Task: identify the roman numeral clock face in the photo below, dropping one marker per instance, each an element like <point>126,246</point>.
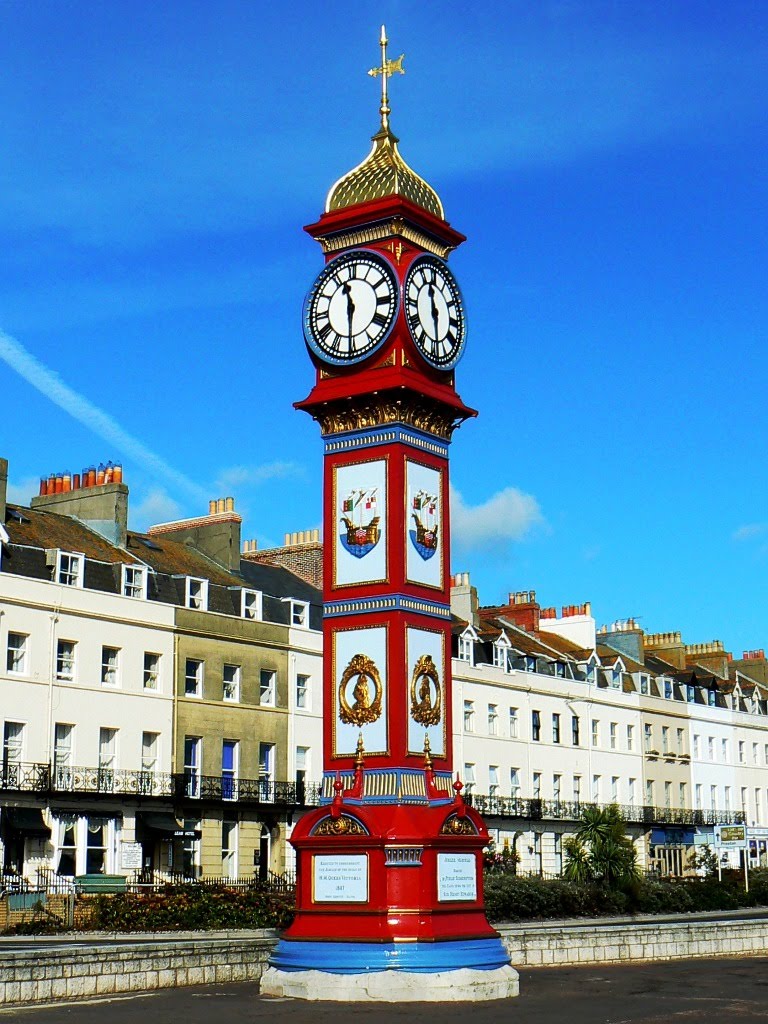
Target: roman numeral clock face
<point>435,312</point>
<point>351,307</point>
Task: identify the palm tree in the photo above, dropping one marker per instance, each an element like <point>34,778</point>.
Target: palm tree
<point>601,851</point>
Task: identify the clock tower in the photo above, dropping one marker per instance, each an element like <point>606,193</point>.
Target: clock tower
<point>389,867</point>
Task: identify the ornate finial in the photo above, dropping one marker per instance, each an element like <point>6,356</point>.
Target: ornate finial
<point>427,753</point>
<point>387,68</point>
<point>359,751</point>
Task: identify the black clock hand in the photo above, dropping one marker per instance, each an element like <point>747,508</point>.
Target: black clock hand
<point>435,313</point>
<point>347,289</point>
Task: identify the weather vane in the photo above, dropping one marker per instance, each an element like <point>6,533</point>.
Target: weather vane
<point>386,70</point>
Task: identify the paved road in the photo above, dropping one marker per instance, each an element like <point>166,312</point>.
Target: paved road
<point>680,992</point>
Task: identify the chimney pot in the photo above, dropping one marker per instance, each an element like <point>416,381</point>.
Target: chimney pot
<point>229,504</point>
<point>220,505</point>
<point>212,507</point>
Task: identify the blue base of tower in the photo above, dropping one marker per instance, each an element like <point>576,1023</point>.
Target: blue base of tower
<point>371,957</point>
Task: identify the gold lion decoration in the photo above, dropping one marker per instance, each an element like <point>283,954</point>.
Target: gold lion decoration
<point>455,826</point>
<point>366,706</point>
<point>426,708</point>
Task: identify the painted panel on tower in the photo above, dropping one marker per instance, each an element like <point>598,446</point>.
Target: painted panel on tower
<point>359,690</point>
<point>360,532</point>
<point>426,690</point>
<point>424,527</point>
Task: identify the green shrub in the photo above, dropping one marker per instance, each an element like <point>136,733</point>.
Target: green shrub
<point>190,907</point>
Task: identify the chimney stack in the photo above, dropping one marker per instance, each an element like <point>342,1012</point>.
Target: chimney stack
<point>100,500</point>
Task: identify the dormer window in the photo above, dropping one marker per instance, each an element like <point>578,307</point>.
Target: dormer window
<point>644,685</point>
<point>690,694</point>
<point>466,649</point>
<point>134,583</point>
<point>300,613</point>
<point>560,669</point>
<point>502,657</point>
<point>711,698</point>
<point>616,676</point>
<point>197,594</point>
<point>250,604</point>
<point>530,662</point>
<point>69,569</point>
<point>668,689</point>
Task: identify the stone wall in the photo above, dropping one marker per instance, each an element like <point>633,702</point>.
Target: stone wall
<point>71,970</point>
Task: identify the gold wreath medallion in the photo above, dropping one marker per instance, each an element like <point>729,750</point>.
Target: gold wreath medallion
<point>425,709</point>
<point>366,707</point>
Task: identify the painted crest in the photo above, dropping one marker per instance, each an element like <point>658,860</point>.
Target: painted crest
<point>425,514</point>
<point>359,532</point>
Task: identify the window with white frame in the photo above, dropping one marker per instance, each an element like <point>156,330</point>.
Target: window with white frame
<point>231,683</point>
<point>614,789</point>
<point>616,676</point>
<point>65,660</point>
<point>300,613</point>
<point>696,745</point>
<point>698,796</point>
<point>192,765</point>
<point>648,737</point>
<point>16,661</point>
<point>668,692</point>
<point>190,854</point>
<point>514,783</point>
<point>62,755</point>
<point>194,673</point>
<point>575,730</point>
<point>530,662</point>
<point>632,790</point>
<point>229,848</point>
<point>591,672</point>
<point>650,792</point>
<point>667,795</point>
<point>250,604</point>
<point>469,716</point>
<point>711,698</point>
<point>536,726</point>
<point>682,791</point>
<point>742,755</point>
<point>69,569</point>
<point>596,788</point>
<point>493,780</point>
<point>744,799</point>
<point>469,777</point>
<point>107,758</point>
<point>537,785</point>
<point>150,743</point>
<point>303,755</point>
<point>493,719</point>
<point>644,685</point>
<point>665,739</point>
<point>267,771</point>
<point>560,669</point>
<point>465,649</point>
<point>13,749</point>
<point>267,687</point>
<point>110,663</point>
<point>690,694</point>
<point>513,723</point>
<point>754,753</point>
<point>555,728</point>
<point>725,751</point>
<point>196,593</point>
<point>302,691</point>
<point>711,747</point>
<point>151,677</point>
<point>612,730</point>
<point>66,845</point>
<point>630,737</point>
<point>557,781</point>
<point>577,789</point>
<point>595,732</point>
<point>758,806</point>
<point>500,655</point>
<point>713,798</point>
<point>134,582</point>
<point>230,750</point>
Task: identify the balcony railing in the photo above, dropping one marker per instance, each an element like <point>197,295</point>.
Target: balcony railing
<point>535,809</point>
<point>43,779</point>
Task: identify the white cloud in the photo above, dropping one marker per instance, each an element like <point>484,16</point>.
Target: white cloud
<point>156,507</point>
<point>80,408</point>
<point>506,516</point>
<point>236,476</point>
<point>751,531</point>
<point>20,493</point>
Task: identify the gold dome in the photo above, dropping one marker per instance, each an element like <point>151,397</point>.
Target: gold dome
<point>383,173</point>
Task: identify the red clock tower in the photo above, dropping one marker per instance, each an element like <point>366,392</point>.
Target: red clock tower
<point>389,880</point>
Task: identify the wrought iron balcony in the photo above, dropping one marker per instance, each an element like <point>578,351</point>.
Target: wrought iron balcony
<point>21,777</point>
<point>536,809</point>
<point>224,788</point>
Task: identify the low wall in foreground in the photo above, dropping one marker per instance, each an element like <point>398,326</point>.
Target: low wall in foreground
<point>550,943</point>
<point>33,971</point>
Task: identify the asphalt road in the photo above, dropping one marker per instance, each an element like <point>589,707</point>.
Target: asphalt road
<point>679,992</point>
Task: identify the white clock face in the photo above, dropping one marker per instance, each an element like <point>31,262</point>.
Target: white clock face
<point>435,312</point>
<point>351,307</point>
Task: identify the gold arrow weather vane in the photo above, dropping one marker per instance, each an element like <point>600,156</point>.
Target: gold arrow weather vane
<point>386,69</point>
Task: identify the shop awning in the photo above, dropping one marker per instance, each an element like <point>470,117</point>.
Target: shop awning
<point>26,821</point>
<point>163,824</point>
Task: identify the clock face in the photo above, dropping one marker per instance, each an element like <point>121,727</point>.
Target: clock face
<point>351,307</point>
<point>435,312</point>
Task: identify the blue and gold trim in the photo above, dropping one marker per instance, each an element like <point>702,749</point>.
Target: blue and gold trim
<point>391,786</point>
<point>386,603</point>
<point>373,437</point>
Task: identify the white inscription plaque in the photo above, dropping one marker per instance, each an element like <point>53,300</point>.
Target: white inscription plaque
<point>456,877</point>
<point>340,878</point>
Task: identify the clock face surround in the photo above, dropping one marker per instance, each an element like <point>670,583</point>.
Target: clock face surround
<point>351,308</point>
<point>434,311</point>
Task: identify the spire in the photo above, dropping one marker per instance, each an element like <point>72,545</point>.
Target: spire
<point>384,172</point>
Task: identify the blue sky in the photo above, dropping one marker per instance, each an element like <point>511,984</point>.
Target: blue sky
<point>607,162</point>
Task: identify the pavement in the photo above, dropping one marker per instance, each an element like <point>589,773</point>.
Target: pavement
<point>727,991</point>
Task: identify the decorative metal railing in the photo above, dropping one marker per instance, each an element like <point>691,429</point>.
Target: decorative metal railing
<point>45,779</point>
<point>534,809</point>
